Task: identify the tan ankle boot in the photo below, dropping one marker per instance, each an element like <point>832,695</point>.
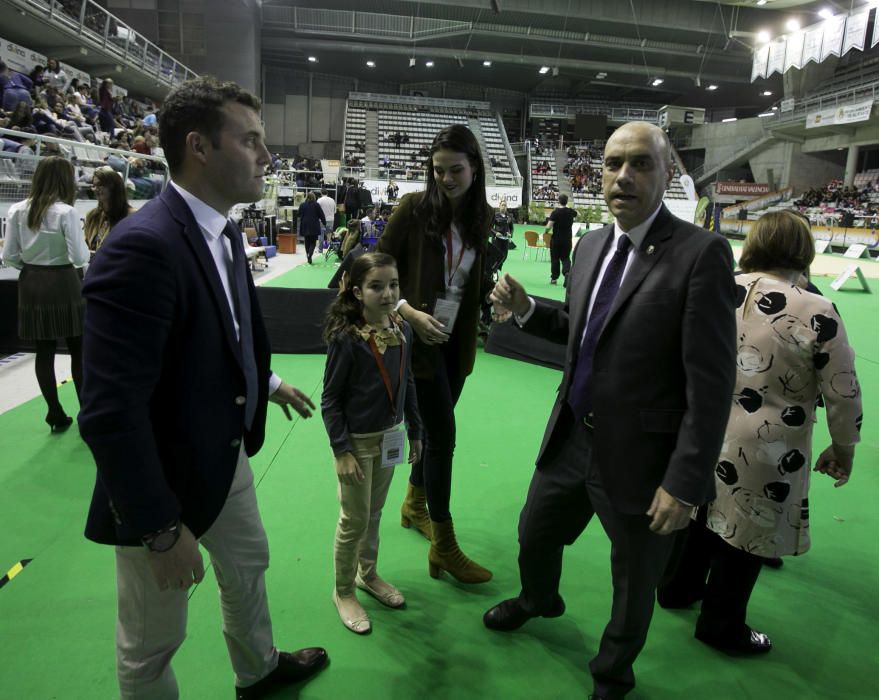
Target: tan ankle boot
<point>413,512</point>
<point>445,554</point>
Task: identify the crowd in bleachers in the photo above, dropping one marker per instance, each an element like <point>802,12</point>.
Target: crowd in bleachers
<point>49,103</point>
<point>836,204</point>
<point>583,168</point>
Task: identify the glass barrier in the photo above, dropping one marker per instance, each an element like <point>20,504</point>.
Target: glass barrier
<point>145,176</point>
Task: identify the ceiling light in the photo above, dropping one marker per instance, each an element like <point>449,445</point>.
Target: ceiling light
<point>762,37</point>
<point>412,61</point>
<point>760,2</point>
<point>711,87</point>
<point>312,59</point>
<point>429,64</point>
<point>766,93</point>
<point>657,81</point>
<point>825,14</point>
<point>370,64</point>
<point>543,70</point>
<point>792,25</point>
<point>601,76</point>
<point>730,119</point>
<point>767,114</point>
<point>487,64</point>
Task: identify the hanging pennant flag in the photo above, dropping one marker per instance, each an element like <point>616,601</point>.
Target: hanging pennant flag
<point>855,31</point>
<point>875,31</point>
<point>793,55</point>
<point>776,57</point>
<point>761,58</point>
<point>834,30</point>
<point>812,43</point>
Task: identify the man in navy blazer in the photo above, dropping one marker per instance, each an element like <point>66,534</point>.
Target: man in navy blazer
<point>642,408</point>
<point>176,386</point>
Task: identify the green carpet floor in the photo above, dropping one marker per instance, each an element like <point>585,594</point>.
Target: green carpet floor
<point>57,615</point>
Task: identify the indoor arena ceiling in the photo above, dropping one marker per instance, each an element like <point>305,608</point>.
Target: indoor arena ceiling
<point>609,49</point>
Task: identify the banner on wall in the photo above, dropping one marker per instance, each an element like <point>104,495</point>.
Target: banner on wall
<point>330,169</point>
<point>856,31</point>
<point>761,60</point>
<point>847,114</point>
<point>19,58</point>
<point>793,56</point>
<point>511,195</point>
<point>776,57</point>
<point>834,30</point>
<point>746,189</point>
<point>812,44</point>
<point>378,188</point>
<point>494,195</point>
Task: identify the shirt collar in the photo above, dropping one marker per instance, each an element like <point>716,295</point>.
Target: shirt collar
<point>209,219</point>
<point>639,232</point>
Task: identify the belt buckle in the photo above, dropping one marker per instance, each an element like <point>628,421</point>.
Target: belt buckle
<point>587,421</point>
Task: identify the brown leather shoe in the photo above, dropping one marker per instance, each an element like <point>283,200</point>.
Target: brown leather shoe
<point>293,667</point>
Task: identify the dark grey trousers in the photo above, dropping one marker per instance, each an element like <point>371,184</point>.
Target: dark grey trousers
<point>562,499</point>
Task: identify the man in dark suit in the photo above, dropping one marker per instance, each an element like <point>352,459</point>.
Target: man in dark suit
<point>639,420</point>
<point>177,382</point>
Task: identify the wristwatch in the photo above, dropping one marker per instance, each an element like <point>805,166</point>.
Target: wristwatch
<point>162,540</point>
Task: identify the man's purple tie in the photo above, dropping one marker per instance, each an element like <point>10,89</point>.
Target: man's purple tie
<point>241,299</point>
<point>580,392</point>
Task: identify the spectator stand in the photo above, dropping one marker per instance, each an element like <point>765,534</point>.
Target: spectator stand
<point>145,176</point>
<point>85,22</point>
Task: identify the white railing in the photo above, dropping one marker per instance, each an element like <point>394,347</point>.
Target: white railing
<point>16,169</point>
<point>619,113</point>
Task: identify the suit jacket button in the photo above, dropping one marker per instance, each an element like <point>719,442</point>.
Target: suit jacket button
<point>235,443</point>
<point>240,400</point>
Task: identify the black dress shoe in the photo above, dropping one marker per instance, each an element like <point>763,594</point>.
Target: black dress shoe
<point>773,562</point>
<point>750,642</point>
<point>293,667</point>
<point>509,615</point>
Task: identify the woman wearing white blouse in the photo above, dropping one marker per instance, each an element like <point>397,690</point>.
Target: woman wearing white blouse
<point>44,240</point>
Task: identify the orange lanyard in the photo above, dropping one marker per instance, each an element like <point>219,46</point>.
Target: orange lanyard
<point>384,373</point>
<point>451,271</point>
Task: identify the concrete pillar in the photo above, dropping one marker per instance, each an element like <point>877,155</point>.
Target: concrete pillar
<point>851,166</point>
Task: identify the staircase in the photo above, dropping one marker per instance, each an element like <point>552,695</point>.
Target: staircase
<point>371,141</point>
<point>473,125</point>
<point>701,176</point>
<point>561,160</point>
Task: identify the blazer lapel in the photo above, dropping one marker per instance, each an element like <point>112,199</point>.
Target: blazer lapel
<point>652,249</point>
<point>194,237</point>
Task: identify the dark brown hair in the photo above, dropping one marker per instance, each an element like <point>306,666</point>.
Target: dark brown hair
<point>345,314</point>
<point>779,240</point>
<point>117,209</point>
<point>474,212</point>
<point>197,105</point>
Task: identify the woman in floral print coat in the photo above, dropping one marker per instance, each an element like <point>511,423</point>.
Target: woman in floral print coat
<point>791,347</point>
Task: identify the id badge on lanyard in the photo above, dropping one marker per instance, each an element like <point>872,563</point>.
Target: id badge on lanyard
<point>392,440</point>
<point>392,448</point>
